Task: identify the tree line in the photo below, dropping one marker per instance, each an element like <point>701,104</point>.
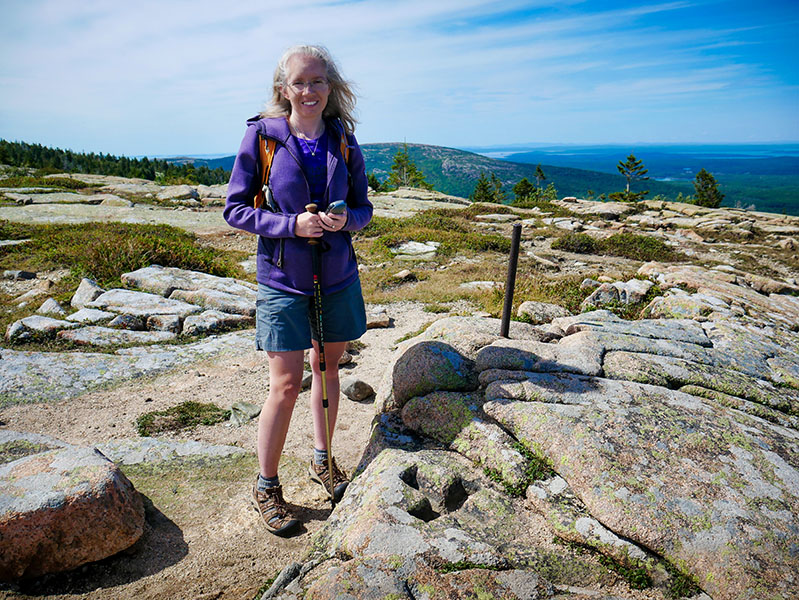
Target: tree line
<point>489,188</point>
<point>55,160</point>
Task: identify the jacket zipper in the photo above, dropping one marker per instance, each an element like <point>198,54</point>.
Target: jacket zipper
<point>282,245</point>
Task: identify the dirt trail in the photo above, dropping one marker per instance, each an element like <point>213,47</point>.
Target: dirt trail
<point>202,539</point>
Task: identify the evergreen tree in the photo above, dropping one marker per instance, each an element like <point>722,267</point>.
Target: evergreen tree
<point>539,176</point>
<point>483,192</point>
<point>550,194</point>
<point>633,170</point>
<point>498,194</point>
<point>524,190</point>
<point>707,190</point>
<point>405,173</point>
<point>375,183</point>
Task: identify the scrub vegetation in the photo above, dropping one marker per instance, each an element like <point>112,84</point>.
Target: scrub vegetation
<point>102,252</point>
<point>183,416</point>
<point>626,245</point>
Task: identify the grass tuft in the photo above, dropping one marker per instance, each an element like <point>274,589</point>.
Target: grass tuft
<point>183,416</point>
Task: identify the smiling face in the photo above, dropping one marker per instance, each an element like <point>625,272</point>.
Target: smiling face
<point>307,101</point>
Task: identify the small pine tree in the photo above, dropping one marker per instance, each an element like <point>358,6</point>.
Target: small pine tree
<point>405,173</point>
<point>524,190</point>
<point>633,170</point>
<point>707,190</point>
<point>498,194</point>
<point>375,183</point>
<point>550,194</point>
<point>539,176</point>
<point>483,192</point>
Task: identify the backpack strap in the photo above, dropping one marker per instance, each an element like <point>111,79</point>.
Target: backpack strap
<point>345,149</point>
<point>266,152</point>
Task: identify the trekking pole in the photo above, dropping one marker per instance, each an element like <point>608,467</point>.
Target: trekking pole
<point>316,249</point>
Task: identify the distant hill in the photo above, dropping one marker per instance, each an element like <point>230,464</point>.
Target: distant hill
<point>456,172</point>
<point>747,175</point>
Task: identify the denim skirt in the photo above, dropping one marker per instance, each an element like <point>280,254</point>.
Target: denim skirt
<point>285,322</point>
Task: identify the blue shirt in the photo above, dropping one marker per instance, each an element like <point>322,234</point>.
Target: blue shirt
<point>314,163</point>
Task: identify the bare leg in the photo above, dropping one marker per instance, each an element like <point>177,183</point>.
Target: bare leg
<point>333,352</point>
<point>285,381</point>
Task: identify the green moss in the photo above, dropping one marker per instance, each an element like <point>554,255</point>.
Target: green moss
<point>16,449</point>
<point>265,586</point>
<point>463,565</point>
<point>183,416</point>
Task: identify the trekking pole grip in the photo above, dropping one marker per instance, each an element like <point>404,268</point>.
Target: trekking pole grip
<point>313,209</point>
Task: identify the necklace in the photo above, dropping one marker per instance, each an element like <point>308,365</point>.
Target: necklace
<point>308,147</point>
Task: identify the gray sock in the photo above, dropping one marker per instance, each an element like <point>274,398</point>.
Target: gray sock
<point>319,457</point>
<point>264,483</point>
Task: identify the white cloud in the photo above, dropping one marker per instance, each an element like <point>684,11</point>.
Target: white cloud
<point>184,75</point>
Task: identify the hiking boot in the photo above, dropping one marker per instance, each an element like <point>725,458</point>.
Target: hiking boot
<point>271,506</point>
<point>320,475</point>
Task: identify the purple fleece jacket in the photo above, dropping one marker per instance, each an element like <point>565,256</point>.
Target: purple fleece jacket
<point>284,260</point>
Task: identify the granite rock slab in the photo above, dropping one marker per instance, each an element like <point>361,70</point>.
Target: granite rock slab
<point>714,490</point>
<point>142,304</point>
<point>62,508</point>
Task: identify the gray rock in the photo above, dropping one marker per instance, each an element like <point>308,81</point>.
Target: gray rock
<point>468,334</point>
<point>456,420</point>
<point>165,280</point>
<point>132,322</point>
<point>51,307</point>
<point>541,312</point>
<point>480,285</point>
<point>68,494</point>
<point>177,192</point>
<point>43,376</point>
<point>496,218</point>
<point>212,321</point>
<point>356,389</point>
<point>242,413</point>
<point>416,250</point>
<point>114,200</point>
<point>87,291</point>
<point>18,275</point>
<point>90,316</point>
<point>425,367</point>
<point>220,301</point>
<point>142,304</point>
<point>153,450</point>
<point>669,472</point>
<point>28,327</point>
<point>377,318</point>
<point>528,355</point>
<point>106,336</point>
<point>164,323</point>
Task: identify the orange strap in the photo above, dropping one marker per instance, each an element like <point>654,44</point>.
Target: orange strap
<point>266,151</point>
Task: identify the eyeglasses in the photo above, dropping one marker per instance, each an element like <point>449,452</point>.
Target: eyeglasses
<point>316,84</point>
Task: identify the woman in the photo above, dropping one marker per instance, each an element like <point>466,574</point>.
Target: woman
<point>310,108</point>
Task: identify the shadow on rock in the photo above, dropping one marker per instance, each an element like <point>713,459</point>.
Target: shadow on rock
<point>160,546</point>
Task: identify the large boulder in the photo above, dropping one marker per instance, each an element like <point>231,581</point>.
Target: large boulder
<point>61,506</point>
<point>424,367</point>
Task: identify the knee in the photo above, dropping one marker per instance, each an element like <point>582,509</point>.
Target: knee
<point>285,394</point>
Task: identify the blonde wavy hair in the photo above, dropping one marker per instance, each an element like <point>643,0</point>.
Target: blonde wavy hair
<point>340,102</point>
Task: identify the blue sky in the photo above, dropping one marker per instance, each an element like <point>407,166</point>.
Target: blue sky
<point>180,77</point>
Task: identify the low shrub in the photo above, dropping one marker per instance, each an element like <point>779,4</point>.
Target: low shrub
<point>627,245</point>
<point>183,416</point>
<point>579,243</point>
<point>53,182</point>
<point>103,251</point>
